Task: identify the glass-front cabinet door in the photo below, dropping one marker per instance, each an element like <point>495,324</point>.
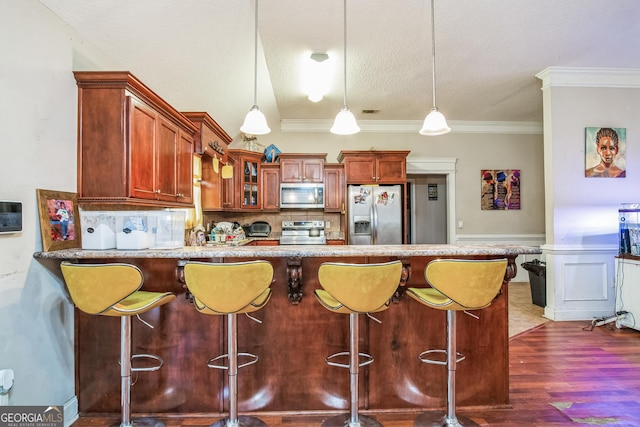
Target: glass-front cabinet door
<point>246,177</point>
<point>250,184</point>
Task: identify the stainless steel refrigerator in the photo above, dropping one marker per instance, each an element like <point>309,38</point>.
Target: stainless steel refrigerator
<point>375,214</point>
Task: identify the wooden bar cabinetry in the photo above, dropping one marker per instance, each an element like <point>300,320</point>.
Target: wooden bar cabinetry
<point>294,337</point>
<point>133,147</point>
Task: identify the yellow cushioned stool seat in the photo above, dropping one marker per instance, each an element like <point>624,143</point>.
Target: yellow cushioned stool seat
<point>230,289</point>
<point>356,289</point>
<point>114,290</point>
<point>456,285</point>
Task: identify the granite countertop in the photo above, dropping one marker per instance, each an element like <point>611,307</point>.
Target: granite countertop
<point>191,252</point>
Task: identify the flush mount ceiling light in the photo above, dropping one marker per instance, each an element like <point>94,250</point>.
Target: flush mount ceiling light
<point>345,123</point>
<point>317,76</point>
<point>435,122</point>
<point>255,123</point>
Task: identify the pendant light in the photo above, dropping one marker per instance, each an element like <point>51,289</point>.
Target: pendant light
<point>435,123</point>
<point>345,123</point>
<point>255,123</point>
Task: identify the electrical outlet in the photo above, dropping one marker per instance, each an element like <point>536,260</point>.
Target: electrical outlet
<point>327,224</point>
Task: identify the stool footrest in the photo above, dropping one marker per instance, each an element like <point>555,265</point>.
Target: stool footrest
<point>424,359</point>
<point>329,359</point>
<point>147,368</point>
<point>211,363</point>
<point>242,421</point>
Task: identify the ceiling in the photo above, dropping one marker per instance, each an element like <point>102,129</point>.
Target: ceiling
<point>199,54</point>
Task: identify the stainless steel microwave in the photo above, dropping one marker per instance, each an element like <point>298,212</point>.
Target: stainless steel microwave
<point>304,195</point>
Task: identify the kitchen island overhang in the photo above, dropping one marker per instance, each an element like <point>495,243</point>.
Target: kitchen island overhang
<point>294,338</point>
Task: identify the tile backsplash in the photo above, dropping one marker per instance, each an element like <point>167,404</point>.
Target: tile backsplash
<point>275,218</point>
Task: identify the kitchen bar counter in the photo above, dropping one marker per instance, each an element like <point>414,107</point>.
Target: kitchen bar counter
<point>296,335</point>
<point>231,251</point>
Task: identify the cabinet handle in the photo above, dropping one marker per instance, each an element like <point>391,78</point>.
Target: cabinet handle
<point>158,191</point>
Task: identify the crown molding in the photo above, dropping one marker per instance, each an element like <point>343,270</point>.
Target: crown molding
<point>590,77</point>
<point>413,126</point>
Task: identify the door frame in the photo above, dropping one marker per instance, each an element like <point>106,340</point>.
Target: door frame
<point>439,166</point>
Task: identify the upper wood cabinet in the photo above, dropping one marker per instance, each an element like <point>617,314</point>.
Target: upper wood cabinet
<point>374,167</point>
<point>133,147</point>
<point>230,198</point>
<point>212,142</point>
<point>210,138</point>
<point>296,167</point>
<point>334,188</point>
<point>246,174</point>
<point>270,184</point>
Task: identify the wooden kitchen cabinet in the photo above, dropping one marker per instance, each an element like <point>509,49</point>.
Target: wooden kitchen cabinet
<point>334,188</point>
<point>374,167</point>
<point>270,186</point>
<point>210,138</point>
<point>133,147</point>
<point>297,167</point>
<point>336,242</point>
<point>212,142</point>
<point>266,242</point>
<point>246,174</point>
<point>230,199</point>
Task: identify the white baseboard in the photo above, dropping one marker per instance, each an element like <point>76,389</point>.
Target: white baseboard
<point>71,411</point>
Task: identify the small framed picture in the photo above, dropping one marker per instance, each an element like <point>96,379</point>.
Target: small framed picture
<point>605,152</point>
<point>59,219</point>
<point>500,189</point>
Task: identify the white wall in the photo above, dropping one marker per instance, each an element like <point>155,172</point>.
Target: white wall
<point>473,152</point>
<point>581,214</point>
<point>38,138</point>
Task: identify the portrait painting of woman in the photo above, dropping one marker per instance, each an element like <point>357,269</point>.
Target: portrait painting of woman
<point>605,150</point>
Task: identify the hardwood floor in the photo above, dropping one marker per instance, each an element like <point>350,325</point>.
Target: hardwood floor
<point>561,374</point>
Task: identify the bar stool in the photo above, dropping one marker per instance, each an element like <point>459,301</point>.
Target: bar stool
<point>229,289</point>
<point>354,289</point>
<point>113,290</point>
<point>456,285</point>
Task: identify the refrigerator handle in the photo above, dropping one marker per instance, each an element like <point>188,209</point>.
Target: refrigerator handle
<point>374,222</point>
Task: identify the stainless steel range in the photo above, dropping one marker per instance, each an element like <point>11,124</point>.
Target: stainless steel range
<point>303,233</point>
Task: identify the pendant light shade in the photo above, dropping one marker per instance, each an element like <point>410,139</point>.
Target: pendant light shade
<point>435,122</point>
<point>255,123</point>
<point>345,122</point>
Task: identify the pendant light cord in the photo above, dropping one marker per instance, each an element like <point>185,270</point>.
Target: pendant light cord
<point>433,51</point>
<point>345,53</point>
<point>255,58</point>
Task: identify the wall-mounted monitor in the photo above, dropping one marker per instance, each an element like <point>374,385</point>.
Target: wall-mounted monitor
<point>10,217</point>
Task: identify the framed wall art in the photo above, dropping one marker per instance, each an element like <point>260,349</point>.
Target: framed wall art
<point>59,219</point>
<point>605,152</point>
<point>500,189</point>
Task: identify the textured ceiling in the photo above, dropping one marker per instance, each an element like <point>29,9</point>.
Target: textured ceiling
<point>199,54</point>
